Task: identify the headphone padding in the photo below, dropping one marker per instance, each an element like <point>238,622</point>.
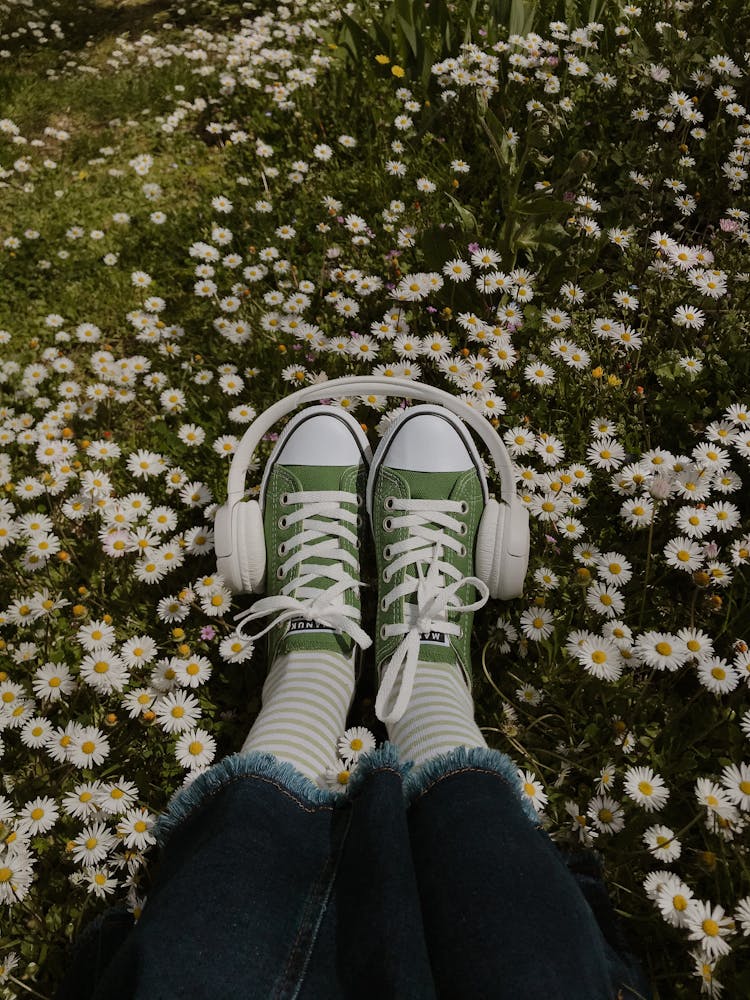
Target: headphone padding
<point>249,546</point>
<point>501,555</point>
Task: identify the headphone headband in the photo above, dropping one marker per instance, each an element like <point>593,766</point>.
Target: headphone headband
<point>359,385</point>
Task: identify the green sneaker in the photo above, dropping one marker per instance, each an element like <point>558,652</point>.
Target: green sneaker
<point>426,493</point>
<point>312,497</point>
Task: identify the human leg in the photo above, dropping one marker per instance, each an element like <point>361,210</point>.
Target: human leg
<point>503,916</point>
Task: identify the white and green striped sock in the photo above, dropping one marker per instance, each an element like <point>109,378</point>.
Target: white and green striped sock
<point>439,716</point>
<point>306,699</point>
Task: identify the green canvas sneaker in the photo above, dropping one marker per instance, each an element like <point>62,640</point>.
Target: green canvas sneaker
<point>426,493</point>
<point>312,497</point>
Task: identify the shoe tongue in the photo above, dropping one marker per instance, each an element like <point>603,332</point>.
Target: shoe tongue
<point>430,485</point>
<point>318,477</point>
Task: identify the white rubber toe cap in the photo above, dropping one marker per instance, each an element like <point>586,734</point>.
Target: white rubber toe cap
<point>321,439</point>
<point>433,440</point>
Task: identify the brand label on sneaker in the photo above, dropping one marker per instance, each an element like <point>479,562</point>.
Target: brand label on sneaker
<point>438,638</point>
<point>303,625</point>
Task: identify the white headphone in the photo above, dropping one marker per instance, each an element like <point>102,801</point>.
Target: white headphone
<point>502,548</point>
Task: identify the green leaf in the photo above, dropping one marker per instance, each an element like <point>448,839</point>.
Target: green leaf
<point>468,220</point>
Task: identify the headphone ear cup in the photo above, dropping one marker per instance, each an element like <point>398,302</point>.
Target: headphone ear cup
<point>240,546</point>
<point>502,548</point>
<point>250,546</point>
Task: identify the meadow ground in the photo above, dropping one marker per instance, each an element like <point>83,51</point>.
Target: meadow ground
<point>543,210</point>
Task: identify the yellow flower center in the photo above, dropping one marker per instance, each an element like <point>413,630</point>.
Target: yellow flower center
<point>37,813</point>
<point>356,743</point>
<point>745,787</point>
<point>663,648</point>
<point>710,927</point>
<point>679,902</point>
<point>645,788</point>
<point>5,874</point>
<point>195,748</point>
<point>139,826</point>
<point>606,815</point>
<point>719,673</point>
<point>599,656</point>
<point>88,746</point>
<point>177,712</point>
<point>683,555</point>
<point>101,667</point>
<point>91,843</point>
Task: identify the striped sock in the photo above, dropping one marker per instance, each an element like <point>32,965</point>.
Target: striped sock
<point>306,699</point>
<point>439,716</point>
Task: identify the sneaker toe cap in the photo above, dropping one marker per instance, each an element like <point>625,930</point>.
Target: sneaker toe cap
<point>322,439</point>
<point>429,442</point>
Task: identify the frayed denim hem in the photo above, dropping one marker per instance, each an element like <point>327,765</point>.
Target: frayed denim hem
<point>255,764</point>
<point>422,778</point>
<point>417,780</point>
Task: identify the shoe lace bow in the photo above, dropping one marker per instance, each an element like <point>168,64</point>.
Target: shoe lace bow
<point>429,523</point>
<point>302,596</point>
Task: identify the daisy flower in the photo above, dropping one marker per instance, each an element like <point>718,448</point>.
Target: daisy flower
<point>38,815</point>
<point>606,453</point>
<point>699,645</point>
<point>195,748</point>
<point>606,814</point>
<point>356,741</point>
<point>81,802</point>
<point>539,374</point>
<point>718,675</point>
<point>336,778</point>
<point>683,553</point>
<point>709,926</point>
<point>742,915</point>
<point>661,650</point>
<point>604,600</point>
<point>600,657</point>
<point>100,881</point>
<point>533,789</point>
<point>661,842</point>
<point>193,671</point>
<point>537,623</point>
<point>52,681</point>
<point>637,513</point>
<point>177,711</point>
<point>645,788</point>
<point>614,568</point>
<point>89,747</point>
<point>673,900</point>
<point>736,781</point>
<point>135,829</point>
<point>93,844</point>
<point>715,798</point>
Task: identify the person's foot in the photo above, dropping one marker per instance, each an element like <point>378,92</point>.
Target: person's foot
<point>312,497</point>
<point>426,493</point>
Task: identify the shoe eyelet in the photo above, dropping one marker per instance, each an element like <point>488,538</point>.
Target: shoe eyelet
<point>280,574</point>
<point>463,529</point>
<point>387,524</point>
<point>284,499</point>
<point>282,522</point>
<point>356,543</point>
<point>360,499</point>
<point>389,503</point>
<point>387,552</point>
<point>382,632</point>
<point>281,549</point>
<point>359,520</point>
<point>462,550</point>
<point>464,507</point>
<point>383,605</point>
<point>386,576</point>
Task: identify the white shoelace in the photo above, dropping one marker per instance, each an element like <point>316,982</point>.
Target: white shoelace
<point>322,539</point>
<point>434,598</point>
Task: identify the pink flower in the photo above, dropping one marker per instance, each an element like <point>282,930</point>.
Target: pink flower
<point>728,225</point>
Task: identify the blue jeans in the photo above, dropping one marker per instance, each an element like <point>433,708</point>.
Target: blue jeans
<point>417,883</point>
